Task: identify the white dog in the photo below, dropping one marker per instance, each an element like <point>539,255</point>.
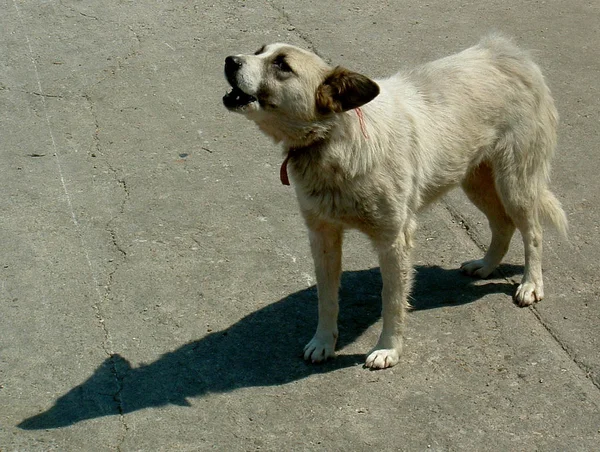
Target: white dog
<point>371,154</point>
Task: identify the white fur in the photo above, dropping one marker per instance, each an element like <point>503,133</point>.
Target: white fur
<point>483,119</point>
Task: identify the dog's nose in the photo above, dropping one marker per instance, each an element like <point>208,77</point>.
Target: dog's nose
<point>232,64</point>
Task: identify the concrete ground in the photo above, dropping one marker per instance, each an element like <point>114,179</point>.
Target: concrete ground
<point>156,287</point>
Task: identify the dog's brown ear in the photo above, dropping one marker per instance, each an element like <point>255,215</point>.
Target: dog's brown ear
<point>344,90</point>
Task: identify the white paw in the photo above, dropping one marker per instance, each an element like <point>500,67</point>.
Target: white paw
<point>477,268</point>
<point>321,347</point>
<point>382,358</point>
<point>528,293</point>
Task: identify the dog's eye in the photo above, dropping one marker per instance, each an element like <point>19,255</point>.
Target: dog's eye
<point>281,64</point>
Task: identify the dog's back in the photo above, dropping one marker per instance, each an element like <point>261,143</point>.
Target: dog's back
<point>493,86</point>
<point>488,103</point>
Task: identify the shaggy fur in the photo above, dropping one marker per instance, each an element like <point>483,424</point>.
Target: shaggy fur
<point>483,119</point>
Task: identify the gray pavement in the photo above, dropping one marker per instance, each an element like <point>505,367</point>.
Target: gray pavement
<point>156,286</point>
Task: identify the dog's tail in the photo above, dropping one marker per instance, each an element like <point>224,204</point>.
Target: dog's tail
<point>550,210</point>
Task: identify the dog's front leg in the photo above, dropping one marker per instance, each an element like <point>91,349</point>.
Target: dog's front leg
<point>326,247</point>
<point>396,272</point>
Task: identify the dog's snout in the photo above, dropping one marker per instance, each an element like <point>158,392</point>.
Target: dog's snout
<point>232,64</point>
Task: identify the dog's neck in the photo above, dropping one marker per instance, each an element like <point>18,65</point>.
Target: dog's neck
<point>300,138</point>
<point>350,144</point>
<point>321,132</point>
<point>310,140</point>
<point>295,152</point>
<point>294,133</point>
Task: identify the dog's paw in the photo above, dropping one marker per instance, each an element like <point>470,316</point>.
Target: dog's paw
<point>382,358</point>
<point>320,348</point>
<point>477,268</point>
<point>528,293</point>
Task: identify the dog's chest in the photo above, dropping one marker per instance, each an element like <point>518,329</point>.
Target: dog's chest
<point>324,193</point>
<point>329,204</point>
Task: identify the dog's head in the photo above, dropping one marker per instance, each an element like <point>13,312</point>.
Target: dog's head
<point>289,92</point>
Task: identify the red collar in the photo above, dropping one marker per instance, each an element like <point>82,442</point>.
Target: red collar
<point>283,175</point>
<point>361,121</point>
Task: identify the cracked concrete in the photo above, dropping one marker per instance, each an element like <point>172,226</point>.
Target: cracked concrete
<point>108,297</point>
<point>156,282</point>
<point>33,93</point>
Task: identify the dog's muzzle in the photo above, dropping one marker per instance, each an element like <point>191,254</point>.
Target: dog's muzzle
<point>235,98</point>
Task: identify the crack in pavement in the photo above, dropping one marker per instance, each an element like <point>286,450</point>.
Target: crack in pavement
<point>31,93</point>
<point>589,373</point>
<point>287,18</point>
<point>108,288</point>
<point>76,11</point>
<point>469,231</point>
<point>120,61</point>
<point>120,180</point>
<point>463,222</point>
<point>57,154</point>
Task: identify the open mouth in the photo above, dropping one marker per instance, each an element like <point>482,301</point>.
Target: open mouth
<point>236,99</point>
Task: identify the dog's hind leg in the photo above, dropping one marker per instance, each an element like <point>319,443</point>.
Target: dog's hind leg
<point>396,272</point>
<point>326,247</point>
<point>480,187</point>
<point>521,196</point>
<point>531,288</point>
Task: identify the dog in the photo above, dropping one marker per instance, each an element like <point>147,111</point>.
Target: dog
<point>370,154</point>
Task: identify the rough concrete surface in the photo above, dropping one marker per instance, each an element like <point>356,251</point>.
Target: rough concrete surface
<point>156,285</point>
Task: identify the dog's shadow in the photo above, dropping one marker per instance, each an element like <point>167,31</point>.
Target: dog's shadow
<point>262,349</point>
